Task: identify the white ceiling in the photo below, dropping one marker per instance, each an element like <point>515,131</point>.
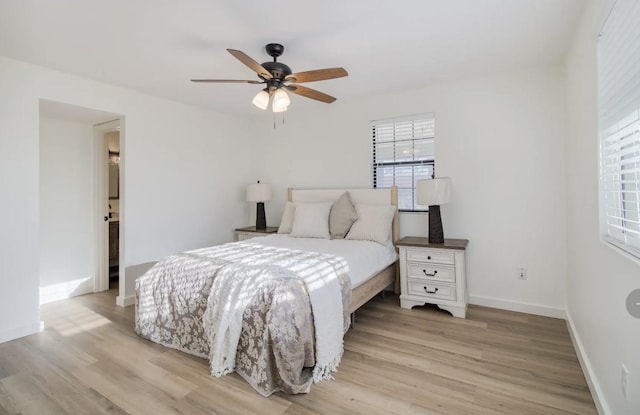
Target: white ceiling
<point>157,46</point>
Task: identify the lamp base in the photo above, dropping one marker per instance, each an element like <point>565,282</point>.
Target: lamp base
<point>436,234</point>
<point>261,220</point>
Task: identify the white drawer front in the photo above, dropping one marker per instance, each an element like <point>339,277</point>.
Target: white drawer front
<point>244,236</point>
<point>432,256</point>
<point>431,272</point>
<point>433,290</point>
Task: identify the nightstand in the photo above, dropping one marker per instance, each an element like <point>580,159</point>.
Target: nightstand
<point>251,232</point>
<point>434,274</point>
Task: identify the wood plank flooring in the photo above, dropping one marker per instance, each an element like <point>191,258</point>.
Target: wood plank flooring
<point>88,360</point>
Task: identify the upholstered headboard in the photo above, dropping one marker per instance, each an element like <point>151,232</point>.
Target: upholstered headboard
<point>367,196</point>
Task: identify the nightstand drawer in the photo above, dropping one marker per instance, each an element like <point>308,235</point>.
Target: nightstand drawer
<point>432,290</point>
<point>430,255</point>
<point>243,236</point>
<point>426,271</point>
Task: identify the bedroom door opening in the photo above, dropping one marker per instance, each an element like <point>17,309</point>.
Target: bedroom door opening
<point>109,202</point>
<point>113,215</point>
<point>70,203</point>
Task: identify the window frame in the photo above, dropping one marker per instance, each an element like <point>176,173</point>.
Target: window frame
<point>619,129</point>
<point>425,161</point>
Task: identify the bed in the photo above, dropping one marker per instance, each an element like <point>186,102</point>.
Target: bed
<point>387,276</point>
<point>249,306</point>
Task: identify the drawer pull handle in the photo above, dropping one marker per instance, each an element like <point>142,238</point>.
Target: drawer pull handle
<point>429,257</point>
<point>435,271</point>
<point>431,292</point>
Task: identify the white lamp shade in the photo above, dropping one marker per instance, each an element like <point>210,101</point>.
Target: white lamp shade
<point>261,100</point>
<point>258,192</point>
<point>432,192</point>
<point>280,100</point>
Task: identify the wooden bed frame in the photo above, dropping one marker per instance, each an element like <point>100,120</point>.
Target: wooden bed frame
<point>376,284</point>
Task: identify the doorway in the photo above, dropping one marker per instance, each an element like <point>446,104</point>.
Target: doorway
<point>108,205</point>
<point>71,211</point>
<point>113,215</point>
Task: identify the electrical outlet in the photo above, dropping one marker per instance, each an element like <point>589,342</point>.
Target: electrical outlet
<point>522,273</point>
<point>624,381</point>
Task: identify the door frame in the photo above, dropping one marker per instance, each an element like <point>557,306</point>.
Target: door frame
<point>101,200</point>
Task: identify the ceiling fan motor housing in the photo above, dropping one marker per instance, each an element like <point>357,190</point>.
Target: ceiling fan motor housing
<point>277,69</point>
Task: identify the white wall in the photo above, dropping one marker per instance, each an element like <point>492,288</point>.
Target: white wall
<point>19,246</point>
<point>67,263</point>
<point>181,189</point>
<point>599,278</point>
<point>499,138</point>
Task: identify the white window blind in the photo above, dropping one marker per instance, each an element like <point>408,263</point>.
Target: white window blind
<point>619,125</point>
<point>403,152</point>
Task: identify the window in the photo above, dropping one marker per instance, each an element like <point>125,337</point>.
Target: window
<point>403,152</point>
<point>619,125</point>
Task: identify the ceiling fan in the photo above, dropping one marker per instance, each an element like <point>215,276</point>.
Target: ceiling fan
<point>278,77</point>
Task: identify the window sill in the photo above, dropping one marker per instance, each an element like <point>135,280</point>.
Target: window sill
<point>615,247</point>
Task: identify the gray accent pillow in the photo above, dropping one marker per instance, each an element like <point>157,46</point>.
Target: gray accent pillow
<point>342,216</point>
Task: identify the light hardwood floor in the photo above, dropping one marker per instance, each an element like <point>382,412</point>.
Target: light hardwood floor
<point>88,360</point>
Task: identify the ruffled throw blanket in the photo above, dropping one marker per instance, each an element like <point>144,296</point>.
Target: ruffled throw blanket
<point>259,310</point>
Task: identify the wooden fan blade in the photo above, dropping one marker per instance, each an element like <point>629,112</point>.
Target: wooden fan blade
<point>227,81</point>
<point>255,66</point>
<point>317,75</point>
<point>310,93</point>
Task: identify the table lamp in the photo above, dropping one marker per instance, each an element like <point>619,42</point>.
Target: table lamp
<point>433,193</point>
<point>259,192</point>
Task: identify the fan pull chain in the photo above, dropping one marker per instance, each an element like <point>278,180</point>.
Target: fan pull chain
<point>274,119</point>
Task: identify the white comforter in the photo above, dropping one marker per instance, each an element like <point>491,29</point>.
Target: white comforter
<point>365,258</point>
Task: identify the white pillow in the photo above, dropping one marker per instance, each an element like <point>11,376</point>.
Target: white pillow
<point>311,220</point>
<point>286,223</point>
<point>373,223</point>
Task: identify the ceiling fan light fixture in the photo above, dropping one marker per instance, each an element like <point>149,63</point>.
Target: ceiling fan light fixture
<point>279,108</point>
<point>280,100</point>
<point>261,100</point>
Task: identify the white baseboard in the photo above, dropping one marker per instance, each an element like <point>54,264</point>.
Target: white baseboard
<point>540,310</point>
<point>64,290</point>
<point>131,274</point>
<point>594,385</point>
<point>22,331</point>
<point>125,301</point>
